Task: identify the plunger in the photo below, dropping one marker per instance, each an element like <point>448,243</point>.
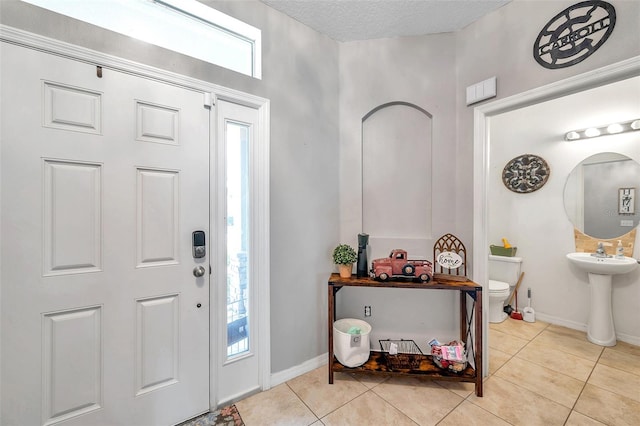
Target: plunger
<point>515,314</point>
<point>508,309</point>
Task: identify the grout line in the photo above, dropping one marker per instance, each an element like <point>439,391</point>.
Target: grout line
<point>394,407</point>
<point>543,366</point>
<point>573,407</point>
<point>484,409</point>
<point>454,408</point>
<point>614,366</point>
<point>337,408</point>
<point>302,400</point>
<point>467,399</point>
<point>608,366</point>
<point>530,341</point>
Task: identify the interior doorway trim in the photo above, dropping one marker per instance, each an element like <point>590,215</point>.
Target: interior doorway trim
<point>210,91</point>
<point>481,143</point>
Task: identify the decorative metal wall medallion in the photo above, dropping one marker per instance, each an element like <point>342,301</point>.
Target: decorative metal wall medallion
<point>526,173</point>
<point>574,34</point>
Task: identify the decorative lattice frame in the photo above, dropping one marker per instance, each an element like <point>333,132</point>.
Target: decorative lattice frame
<point>450,243</point>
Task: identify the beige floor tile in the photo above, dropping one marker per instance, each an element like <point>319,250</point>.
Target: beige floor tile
<point>506,342</point>
<point>543,381</point>
<point>567,342</point>
<point>616,381</point>
<point>497,359</point>
<point>577,419</point>
<point>277,406</point>
<point>462,389</point>
<point>518,328</point>
<point>626,347</point>
<point>367,409</point>
<point>468,414</point>
<point>518,405</point>
<point>424,402</point>
<point>557,360</point>
<point>608,407</point>
<point>369,380</point>
<point>626,361</point>
<point>322,398</point>
<point>567,332</point>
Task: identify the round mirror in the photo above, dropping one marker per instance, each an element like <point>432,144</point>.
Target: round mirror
<point>600,196</point>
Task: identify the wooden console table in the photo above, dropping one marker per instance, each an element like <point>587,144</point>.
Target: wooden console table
<point>377,362</point>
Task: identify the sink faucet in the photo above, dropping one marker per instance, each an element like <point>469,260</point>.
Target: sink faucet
<point>600,251</point>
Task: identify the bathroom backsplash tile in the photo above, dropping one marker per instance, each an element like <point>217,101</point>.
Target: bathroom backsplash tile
<point>588,244</point>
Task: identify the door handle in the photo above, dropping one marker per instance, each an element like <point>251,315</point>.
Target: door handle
<point>198,271</point>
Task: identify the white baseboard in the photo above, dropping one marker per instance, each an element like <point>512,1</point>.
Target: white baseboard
<point>562,322</point>
<point>634,340</point>
<point>279,378</point>
<point>237,397</point>
<point>293,372</point>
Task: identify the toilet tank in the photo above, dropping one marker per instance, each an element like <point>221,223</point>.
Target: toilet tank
<point>503,268</point>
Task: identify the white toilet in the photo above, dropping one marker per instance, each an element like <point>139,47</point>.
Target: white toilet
<point>503,276</point>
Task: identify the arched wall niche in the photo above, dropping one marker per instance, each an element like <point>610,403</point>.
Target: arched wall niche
<point>396,171</point>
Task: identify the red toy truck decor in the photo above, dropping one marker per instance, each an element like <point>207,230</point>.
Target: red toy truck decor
<point>398,265</point>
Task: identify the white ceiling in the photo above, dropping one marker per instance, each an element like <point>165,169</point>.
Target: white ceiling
<point>350,20</point>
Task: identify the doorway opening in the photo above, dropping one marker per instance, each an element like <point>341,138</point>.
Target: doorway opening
<point>482,119</point>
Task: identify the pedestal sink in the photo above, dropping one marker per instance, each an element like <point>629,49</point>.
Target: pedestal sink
<point>600,329</point>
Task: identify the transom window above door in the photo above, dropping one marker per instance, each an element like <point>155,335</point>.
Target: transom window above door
<point>184,26</point>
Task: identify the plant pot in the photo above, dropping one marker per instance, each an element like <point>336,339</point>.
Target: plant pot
<point>345,270</point>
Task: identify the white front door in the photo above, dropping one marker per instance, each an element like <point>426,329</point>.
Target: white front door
<point>103,181</point>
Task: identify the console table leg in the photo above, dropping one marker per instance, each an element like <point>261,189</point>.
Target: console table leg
<point>463,316</point>
<point>331,302</point>
<point>479,360</point>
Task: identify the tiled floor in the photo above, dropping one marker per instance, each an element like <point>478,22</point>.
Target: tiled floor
<point>540,374</point>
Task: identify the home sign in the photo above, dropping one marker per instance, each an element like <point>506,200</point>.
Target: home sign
<point>574,34</point>
<point>449,260</point>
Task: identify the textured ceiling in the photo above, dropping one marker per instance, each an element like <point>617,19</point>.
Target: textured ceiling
<point>350,20</point>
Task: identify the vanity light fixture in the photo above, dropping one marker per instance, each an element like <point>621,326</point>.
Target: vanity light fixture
<point>611,129</point>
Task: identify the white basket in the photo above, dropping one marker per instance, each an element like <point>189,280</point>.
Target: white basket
<point>351,350</point>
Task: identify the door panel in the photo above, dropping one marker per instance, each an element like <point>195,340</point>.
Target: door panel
<point>158,212</point>
<point>72,347</point>
<point>72,217</point>
<point>157,342</point>
<point>71,108</point>
<point>103,182</point>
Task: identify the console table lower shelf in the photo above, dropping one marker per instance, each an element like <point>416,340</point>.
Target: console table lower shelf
<point>377,364</point>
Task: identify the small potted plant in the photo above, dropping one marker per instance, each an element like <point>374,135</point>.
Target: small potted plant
<point>344,256</point>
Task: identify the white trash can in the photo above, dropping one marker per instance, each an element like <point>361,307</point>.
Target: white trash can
<point>351,350</point>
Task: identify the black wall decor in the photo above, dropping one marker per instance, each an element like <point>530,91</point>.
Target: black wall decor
<point>574,34</point>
